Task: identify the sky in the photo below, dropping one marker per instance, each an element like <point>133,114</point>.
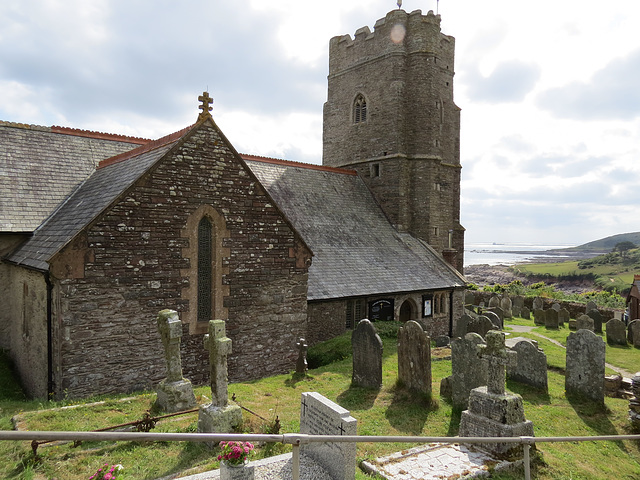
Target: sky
<point>549,91</point>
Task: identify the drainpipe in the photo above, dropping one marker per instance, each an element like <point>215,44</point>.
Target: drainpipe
<point>451,314</point>
<point>50,383</point>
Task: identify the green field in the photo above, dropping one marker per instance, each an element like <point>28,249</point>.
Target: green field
<point>390,411</point>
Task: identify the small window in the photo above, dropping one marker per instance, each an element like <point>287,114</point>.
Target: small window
<point>436,231</point>
<point>375,170</point>
<point>360,109</point>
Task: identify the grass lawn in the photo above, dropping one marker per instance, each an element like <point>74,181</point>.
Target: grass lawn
<point>390,411</point>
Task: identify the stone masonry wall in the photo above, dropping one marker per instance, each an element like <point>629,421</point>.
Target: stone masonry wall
<point>129,264</point>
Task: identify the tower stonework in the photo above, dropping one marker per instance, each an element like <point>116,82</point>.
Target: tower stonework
<point>390,115</point>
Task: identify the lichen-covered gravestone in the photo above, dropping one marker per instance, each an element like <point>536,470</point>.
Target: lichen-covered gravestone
<point>366,346</point>
<point>517,304</point>
<point>218,416</point>
<point>467,371</point>
<point>480,325</point>
<point>506,305</point>
<point>597,320</point>
<point>531,366</point>
<point>563,316</point>
<point>498,323</point>
<point>492,411</point>
<point>551,319</point>
<point>591,305</point>
<point>414,357</point>
<point>538,304</point>
<point>494,301</point>
<point>633,333</point>
<point>175,393</point>
<point>462,325</point>
<point>584,322</point>
<point>585,365</point>
<point>616,332</point>
<point>525,313</point>
<point>539,316</point>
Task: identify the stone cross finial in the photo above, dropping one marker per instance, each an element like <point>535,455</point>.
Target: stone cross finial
<point>218,346</point>
<point>301,364</point>
<point>170,328</point>
<point>498,357</point>
<point>206,101</point>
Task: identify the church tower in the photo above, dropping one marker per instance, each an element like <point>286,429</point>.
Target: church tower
<point>390,115</point>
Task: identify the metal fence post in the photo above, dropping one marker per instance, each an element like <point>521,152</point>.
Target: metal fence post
<point>527,462</point>
<point>295,461</point>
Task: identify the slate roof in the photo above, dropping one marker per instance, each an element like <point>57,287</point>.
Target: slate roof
<point>40,167</point>
<point>84,204</point>
<point>356,249</point>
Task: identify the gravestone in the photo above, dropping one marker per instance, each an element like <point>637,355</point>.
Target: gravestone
<point>563,316</point>
<point>301,363</point>
<point>531,365</point>
<point>556,306</point>
<point>633,335</point>
<point>551,319</point>
<point>175,393</point>
<point>469,297</point>
<point>462,324</point>
<point>616,332</point>
<point>495,320</point>
<point>634,403</point>
<point>573,323</point>
<point>584,322</point>
<point>506,305</point>
<point>467,371</point>
<point>494,301</point>
<point>414,357</point>
<point>218,416</point>
<point>585,365</point>
<point>367,356</point>
<point>442,341</point>
<point>525,313</point>
<point>538,304</point>
<point>591,305</point>
<point>539,316</point>
<point>492,411</point>
<point>517,305</point>
<point>321,416</point>
<point>480,325</point>
<point>499,312</point>
<point>597,320</point>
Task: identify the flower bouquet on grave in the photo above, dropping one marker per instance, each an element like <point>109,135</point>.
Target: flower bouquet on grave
<point>235,453</point>
<point>107,472</point>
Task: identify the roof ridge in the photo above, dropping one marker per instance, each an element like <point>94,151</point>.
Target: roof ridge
<point>293,163</point>
<point>147,147</point>
<point>26,126</point>
<point>99,135</point>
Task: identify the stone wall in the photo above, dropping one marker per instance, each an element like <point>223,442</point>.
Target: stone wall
<point>130,263</point>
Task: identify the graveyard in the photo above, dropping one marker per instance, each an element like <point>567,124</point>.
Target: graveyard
<point>390,410</point>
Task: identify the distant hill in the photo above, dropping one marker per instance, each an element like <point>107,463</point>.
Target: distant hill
<point>604,245</point>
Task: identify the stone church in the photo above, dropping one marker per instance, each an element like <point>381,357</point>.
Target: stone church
<point>99,231</point>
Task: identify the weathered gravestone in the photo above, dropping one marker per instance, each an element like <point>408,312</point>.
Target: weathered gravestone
<point>442,341</point>
<point>531,365</point>
<point>414,357</point>
<point>584,322</point>
<point>494,301</point>
<point>597,320</point>
<point>367,356</point>
<point>218,416</point>
<point>174,392</point>
<point>591,305</point>
<point>495,320</point>
<point>539,316</point>
<point>517,304</point>
<point>469,297</point>
<point>556,306</point>
<point>493,412</point>
<point>551,319</point>
<point>499,312</point>
<point>480,325</point>
<point>563,316</point>
<point>525,313</point>
<point>321,416</point>
<point>462,324</point>
<point>538,304</point>
<point>616,332</point>
<point>585,365</point>
<point>467,371</point>
<point>634,403</point>
<point>506,305</point>
<point>633,335</point>
<point>301,363</point>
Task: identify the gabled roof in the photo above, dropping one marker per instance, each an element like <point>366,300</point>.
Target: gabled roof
<point>40,167</point>
<point>110,180</point>
<point>356,249</point>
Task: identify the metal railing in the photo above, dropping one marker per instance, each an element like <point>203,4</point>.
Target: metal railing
<point>297,439</point>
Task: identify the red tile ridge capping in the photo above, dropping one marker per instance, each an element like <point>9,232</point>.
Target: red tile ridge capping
<point>292,163</point>
<point>147,147</point>
<point>99,135</point>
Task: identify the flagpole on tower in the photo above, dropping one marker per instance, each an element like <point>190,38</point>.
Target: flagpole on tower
<point>437,7</point>
<point>399,3</point>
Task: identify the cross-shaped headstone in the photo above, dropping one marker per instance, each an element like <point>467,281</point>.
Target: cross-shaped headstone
<point>301,364</point>
<point>206,101</point>
<point>170,328</point>
<point>218,346</point>
<point>498,357</point>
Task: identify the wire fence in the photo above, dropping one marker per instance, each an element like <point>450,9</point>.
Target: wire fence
<point>298,439</point>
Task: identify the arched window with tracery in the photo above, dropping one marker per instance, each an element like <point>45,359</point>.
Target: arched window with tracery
<point>360,109</point>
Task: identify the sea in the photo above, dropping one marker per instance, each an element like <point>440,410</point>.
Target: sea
<point>508,253</point>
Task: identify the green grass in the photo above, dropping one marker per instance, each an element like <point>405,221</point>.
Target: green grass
<point>390,411</point>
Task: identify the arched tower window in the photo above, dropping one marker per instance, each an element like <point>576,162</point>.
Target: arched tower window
<point>360,109</point>
<point>205,269</point>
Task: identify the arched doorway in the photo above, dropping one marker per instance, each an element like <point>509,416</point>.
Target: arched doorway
<point>407,311</point>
